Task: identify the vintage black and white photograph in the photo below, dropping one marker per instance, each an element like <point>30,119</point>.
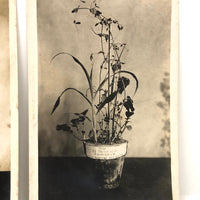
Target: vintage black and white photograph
<point>8,102</point>
<point>101,88</point>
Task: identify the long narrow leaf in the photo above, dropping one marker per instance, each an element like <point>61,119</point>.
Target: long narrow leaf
<point>126,72</point>
<point>91,74</point>
<point>78,92</point>
<point>107,100</point>
<point>78,62</point>
<point>56,105</point>
<point>58,100</point>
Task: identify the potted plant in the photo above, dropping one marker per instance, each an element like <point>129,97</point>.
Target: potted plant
<point>110,104</point>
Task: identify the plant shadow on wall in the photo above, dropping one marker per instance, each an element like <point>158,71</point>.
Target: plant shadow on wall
<point>109,102</point>
<point>165,106</point>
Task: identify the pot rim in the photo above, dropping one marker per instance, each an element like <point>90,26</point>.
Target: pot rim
<point>105,151</point>
<point>105,145</point>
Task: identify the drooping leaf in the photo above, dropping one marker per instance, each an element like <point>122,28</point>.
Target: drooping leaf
<point>80,64</point>
<point>56,105</point>
<point>125,72</point>
<point>107,100</point>
<point>74,89</point>
<point>84,69</point>
<point>58,100</point>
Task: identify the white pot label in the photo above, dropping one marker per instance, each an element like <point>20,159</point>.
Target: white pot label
<point>106,151</point>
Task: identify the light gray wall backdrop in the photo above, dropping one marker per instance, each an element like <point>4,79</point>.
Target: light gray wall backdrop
<point>147,34</point>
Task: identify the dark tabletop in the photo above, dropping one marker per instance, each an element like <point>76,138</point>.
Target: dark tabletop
<point>4,185</point>
<point>73,178</point>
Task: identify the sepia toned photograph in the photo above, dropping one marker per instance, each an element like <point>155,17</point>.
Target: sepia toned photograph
<point>103,99</point>
<point>8,102</point>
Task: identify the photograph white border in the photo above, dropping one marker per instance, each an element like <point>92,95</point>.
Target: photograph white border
<point>174,62</point>
<point>33,97</point>
<point>14,169</point>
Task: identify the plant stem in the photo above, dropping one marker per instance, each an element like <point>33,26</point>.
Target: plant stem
<point>113,122</point>
<point>84,8</point>
<point>93,114</point>
<point>110,131</point>
<point>122,129</point>
<point>94,122</point>
<point>102,64</point>
<point>102,42</point>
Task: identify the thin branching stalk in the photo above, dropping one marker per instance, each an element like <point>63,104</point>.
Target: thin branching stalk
<point>102,48</point>
<point>108,126</point>
<point>110,132</point>
<point>113,121</point>
<point>122,129</point>
<point>93,114</point>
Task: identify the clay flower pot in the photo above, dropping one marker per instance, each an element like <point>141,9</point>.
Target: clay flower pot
<point>108,161</point>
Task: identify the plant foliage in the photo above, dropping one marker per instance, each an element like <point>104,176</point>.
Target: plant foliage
<point>110,104</point>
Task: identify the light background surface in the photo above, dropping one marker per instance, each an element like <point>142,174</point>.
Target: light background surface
<point>147,34</point>
<point>4,87</point>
